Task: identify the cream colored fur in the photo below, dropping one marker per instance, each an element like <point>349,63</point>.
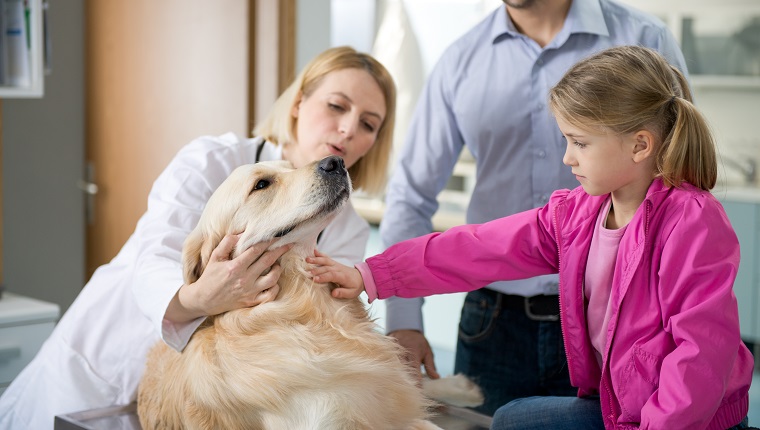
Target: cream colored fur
<point>301,361</point>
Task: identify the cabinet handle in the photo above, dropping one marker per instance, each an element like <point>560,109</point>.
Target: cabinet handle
<point>7,353</point>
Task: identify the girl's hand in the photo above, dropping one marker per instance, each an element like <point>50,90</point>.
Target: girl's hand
<point>228,283</point>
<point>348,279</point>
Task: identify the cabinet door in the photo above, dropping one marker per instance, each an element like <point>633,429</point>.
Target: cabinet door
<point>745,218</point>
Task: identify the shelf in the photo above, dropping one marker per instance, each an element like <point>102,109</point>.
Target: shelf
<point>36,63</point>
<point>724,82</point>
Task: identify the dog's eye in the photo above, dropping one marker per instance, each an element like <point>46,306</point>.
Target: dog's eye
<point>261,184</point>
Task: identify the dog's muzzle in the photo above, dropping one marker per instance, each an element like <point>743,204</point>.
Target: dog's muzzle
<point>332,165</point>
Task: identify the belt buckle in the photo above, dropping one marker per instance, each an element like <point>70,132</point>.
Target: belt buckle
<point>535,317</point>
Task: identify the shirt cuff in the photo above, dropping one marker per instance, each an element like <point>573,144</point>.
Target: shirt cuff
<point>403,314</point>
<point>369,282</point>
<point>178,335</point>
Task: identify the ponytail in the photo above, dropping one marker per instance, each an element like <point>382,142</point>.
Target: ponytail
<point>688,152</point>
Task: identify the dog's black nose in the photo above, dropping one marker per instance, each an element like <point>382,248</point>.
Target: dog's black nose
<point>332,165</point>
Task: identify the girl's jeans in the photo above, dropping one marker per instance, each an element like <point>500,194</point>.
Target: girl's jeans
<point>556,413</point>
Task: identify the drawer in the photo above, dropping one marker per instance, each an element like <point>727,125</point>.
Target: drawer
<point>18,345</point>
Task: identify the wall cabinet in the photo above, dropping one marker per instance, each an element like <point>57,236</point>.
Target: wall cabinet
<point>22,60</point>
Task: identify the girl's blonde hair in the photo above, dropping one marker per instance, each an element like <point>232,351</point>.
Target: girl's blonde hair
<point>279,126</point>
<point>629,88</point>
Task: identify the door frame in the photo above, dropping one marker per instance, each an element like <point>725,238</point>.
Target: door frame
<point>272,60</point>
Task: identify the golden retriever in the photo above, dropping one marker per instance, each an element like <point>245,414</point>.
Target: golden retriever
<point>303,360</point>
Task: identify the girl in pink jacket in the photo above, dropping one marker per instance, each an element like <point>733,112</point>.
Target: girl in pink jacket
<point>646,257</point>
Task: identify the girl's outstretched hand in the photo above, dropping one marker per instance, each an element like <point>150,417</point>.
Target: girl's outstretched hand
<point>348,279</point>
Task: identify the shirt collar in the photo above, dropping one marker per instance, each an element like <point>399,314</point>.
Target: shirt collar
<point>584,16</point>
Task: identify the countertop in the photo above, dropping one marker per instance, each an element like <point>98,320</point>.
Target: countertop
<point>18,310</point>
<point>744,194</point>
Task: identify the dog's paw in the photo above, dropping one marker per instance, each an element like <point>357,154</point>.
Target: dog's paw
<point>455,390</point>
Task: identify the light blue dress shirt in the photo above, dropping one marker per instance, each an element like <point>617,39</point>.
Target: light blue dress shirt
<point>488,92</point>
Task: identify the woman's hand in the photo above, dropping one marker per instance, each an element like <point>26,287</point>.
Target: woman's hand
<point>348,279</point>
<point>227,283</point>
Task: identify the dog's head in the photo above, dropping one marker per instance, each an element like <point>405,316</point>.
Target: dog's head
<point>266,201</point>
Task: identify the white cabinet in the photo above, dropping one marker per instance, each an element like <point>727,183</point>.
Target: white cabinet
<point>25,323</point>
<point>30,62</point>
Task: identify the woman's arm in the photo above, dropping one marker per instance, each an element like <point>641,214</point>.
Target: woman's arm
<point>175,204</point>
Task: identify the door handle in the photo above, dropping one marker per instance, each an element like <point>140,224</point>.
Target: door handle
<point>90,189</point>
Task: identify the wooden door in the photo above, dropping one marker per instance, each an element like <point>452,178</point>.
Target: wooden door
<point>159,73</point>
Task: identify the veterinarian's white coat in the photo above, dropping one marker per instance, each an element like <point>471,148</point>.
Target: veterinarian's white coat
<point>96,354</point>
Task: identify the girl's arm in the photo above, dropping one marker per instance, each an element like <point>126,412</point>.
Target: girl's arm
<point>463,258</point>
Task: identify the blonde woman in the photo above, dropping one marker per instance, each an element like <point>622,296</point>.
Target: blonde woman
<point>342,103</point>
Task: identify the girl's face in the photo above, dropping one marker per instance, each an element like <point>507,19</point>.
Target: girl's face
<point>340,117</point>
<point>602,162</point>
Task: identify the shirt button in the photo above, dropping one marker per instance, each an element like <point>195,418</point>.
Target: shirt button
<point>541,154</point>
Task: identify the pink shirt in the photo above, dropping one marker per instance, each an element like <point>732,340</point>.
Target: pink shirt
<point>600,268</point>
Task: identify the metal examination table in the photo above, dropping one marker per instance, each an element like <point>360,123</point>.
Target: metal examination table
<point>125,418</point>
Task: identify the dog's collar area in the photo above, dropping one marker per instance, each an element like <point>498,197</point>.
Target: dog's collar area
<point>283,232</point>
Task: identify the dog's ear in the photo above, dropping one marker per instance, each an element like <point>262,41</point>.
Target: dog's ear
<point>197,252</point>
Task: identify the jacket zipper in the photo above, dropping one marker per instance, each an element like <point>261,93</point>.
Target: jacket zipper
<point>559,288</point>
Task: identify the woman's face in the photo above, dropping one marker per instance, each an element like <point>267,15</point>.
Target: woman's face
<point>340,117</point>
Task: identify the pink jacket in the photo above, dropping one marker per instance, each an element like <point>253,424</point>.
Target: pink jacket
<point>674,358</point>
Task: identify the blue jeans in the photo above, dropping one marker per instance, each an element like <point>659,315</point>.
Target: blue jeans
<point>556,413</point>
<point>508,354</point>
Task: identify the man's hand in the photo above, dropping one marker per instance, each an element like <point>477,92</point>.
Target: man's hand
<point>419,352</point>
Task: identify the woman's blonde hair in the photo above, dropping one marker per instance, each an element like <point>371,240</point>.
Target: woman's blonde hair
<point>629,88</point>
<point>279,127</point>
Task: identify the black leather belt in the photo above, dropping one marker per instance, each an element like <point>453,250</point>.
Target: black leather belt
<point>537,308</point>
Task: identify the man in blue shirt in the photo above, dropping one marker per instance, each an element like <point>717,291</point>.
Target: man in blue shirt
<point>488,92</point>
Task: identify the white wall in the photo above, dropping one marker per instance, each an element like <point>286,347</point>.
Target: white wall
<point>313,30</point>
